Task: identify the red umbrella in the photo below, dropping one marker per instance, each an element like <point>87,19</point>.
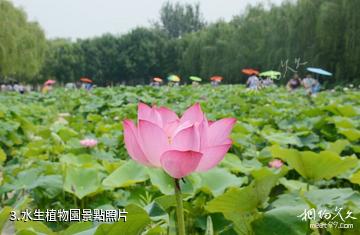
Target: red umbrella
<point>87,80</point>
<point>250,71</point>
<point>216,78</point>
<point>49,82</point>
<point>157,79</point>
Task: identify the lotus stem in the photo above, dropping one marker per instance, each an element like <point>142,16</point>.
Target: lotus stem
<point>179,208</point>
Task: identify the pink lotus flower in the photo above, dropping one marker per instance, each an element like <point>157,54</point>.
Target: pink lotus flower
<point>276,163</point>
<point>178,145</point>
<point>88,143</point>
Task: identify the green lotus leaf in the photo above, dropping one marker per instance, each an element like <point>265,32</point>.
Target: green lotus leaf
<point>81,181</point>
<point>281,220</point>
<point>127,174</point>
<point>355,178</point>
<point>315,166</point>
<point>136,221</point>
<point>351,133</point>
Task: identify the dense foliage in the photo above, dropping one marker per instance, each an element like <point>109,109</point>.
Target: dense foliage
<point>43,165</point>
<point>22,44</point>
<point>287,38</point>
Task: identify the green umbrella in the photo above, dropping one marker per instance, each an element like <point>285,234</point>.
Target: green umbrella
<point>196,79</point>
<point>272,74</point>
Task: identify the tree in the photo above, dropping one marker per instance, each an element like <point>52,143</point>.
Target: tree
<point>141,55</point>
<point>64,61</point>
<point>177,19</point>
<point>22,43</point>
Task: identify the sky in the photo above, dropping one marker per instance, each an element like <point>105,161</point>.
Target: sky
<point>87,18</point>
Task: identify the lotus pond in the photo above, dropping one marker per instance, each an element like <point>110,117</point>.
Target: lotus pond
<point>44,166</point>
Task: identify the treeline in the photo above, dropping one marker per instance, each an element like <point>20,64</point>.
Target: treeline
<point>287,38</point>
<point>22,44</point>
<point>132,58</point>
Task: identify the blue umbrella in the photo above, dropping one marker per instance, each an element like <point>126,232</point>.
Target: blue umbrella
<point>319,71</point>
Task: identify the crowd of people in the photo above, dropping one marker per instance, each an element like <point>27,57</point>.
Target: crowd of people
<point>256,83</point>
<point>45,88</point>
<point>310,84</point>
<point>68,86</point>
<point>14,87</point>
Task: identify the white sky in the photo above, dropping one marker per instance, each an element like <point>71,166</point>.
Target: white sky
<point>87,18</point>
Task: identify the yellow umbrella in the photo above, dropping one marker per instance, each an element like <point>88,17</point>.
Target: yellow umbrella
<point>174,78</point>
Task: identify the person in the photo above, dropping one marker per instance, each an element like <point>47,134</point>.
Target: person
<point>70,86</point>
<point>21,89</point>
<point>315,88</point>
<point>293,83</point>
<point>253,82</point>
<point>214,83</point>
<point>88,86</point>
<point>267,82</point>
<point>195,83</point>
<point>16,87</point>
<point>216,80</point>
<point>9,87</point>
<point>308,82</point>
<point>173,84</point>
<point>155,84</point>
<point>3,87</point>
<point>47,88</point>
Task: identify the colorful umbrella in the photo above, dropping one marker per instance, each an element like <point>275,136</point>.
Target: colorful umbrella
<point>250,71</point>
<point>272,74</point>
<point>196,79</point>
<point>216,78</point>
<point>157,80</point>
<point>86,80</point>
<point>319,71</point>
<point>49,82</point>
<point>173,78</point>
